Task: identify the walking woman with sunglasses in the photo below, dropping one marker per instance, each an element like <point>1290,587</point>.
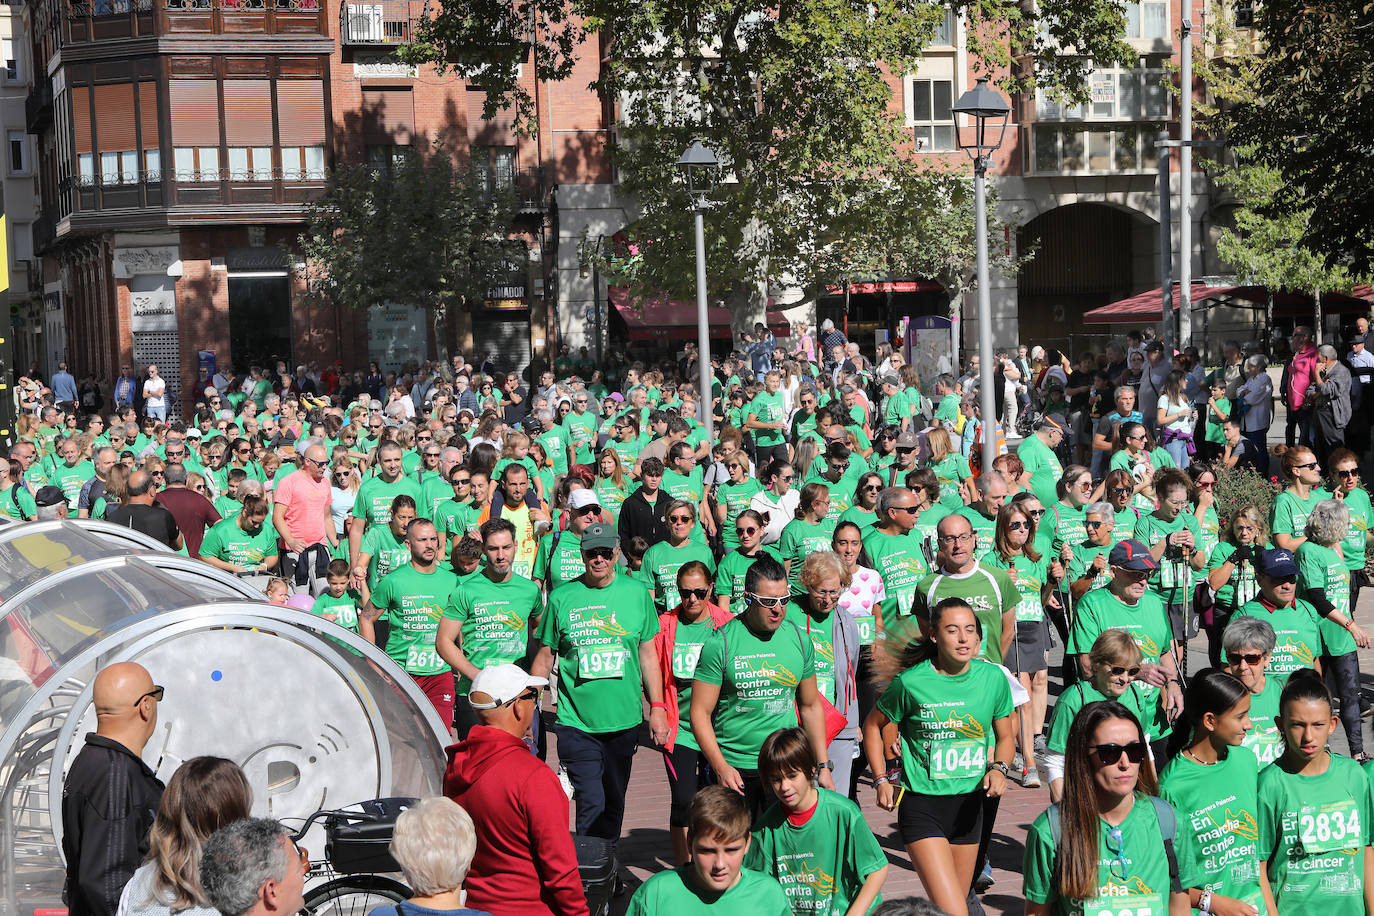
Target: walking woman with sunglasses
<point>1108,847</point>
<point>682,632</point>
<point>1288,517</point>
<point>1213,782</point>
<point>860,511</point>
<point>952,712</point>
<point>663,560</point>
<point>1249,643</point>
<point>1315,813</point>
<point>1346,486</point>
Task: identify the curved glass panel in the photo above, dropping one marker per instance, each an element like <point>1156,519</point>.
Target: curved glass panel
<point>27,554</point>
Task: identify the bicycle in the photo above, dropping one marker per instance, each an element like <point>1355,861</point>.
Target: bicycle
<point>353,872</point>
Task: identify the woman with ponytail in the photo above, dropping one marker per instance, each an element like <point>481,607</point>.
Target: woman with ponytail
<point>1213,780</point>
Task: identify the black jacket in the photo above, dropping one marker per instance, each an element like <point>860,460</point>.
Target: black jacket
<point>637,517</point>
<point>108,803</point>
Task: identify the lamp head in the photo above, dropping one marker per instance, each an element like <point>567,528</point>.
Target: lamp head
<point>988,111</point>
<point>700,170</point>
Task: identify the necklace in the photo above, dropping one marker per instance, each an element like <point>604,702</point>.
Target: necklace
<point>1195,758</point>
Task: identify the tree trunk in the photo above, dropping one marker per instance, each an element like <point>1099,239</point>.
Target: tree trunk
<point>748,302</point>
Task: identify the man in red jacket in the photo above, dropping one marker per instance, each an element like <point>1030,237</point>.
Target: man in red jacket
<point>525,863</point>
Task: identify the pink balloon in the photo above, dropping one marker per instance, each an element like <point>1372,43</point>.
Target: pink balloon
<point>301,600</point>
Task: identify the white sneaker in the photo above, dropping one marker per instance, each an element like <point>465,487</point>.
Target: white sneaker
<point>565,782</point>
<point>1030,779</point>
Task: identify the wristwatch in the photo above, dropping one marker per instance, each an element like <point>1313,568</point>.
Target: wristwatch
<point>1000,767</point>
<point>826,765</point>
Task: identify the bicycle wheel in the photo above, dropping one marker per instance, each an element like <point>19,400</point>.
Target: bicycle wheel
<point>356,895</point>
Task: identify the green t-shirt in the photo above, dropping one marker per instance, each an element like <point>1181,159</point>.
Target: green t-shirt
<point>1147,622</point>
<point>1061,524</point>
<point>226,541</point>
<point>864,518</point>
<point>732,569</point>
<point>674,892</point>
<point>946,724</point>
<point>1215,431</point>
<point>386,552</point>
<point>758,676</point>
<point>901,563</point>
<point>822,864</point>
<point>582,430</point>
<point>948,411</point>
<point>609,496</point>
<point>70,480</point>
<point>629,451</point>
<point>1312,834</point>
<point>800,538</point>
<point>1145,889</point>
<point>984,530</point>
<point>821,635</point>
<point>559,560</point>
<point>413,602</point>
<point>496,620</point>
<point>1217,806</point>
<point>344,608</point>
<point>1030,577</point>
<point>663,560</point>
<point>436,491</point>
<point>688,641</point>
<point>1174,576</point>
<point>1240,586</point>
<point>989,591</point>
<point>453,519</point>
<point>1084,552</point>
<point>1043,465</point>
<point>1263,739</point>
<point>767,408</point>
<point>735,498</point>
<point>226,506</point>
<point>1209,531</point>
<point>1289,514</point>
<point>375,497</point>
<point>950,471</point>
<point>17,502</point>
<point>1322,568</point>
<point>596,634</point>
<point>556,441</point>
<point>1074,698</point>
<point>1296,630</point>
<point>1361,518</point>
<point>896,409</point>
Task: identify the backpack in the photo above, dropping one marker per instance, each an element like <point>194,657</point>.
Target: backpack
<point>1164,813</point>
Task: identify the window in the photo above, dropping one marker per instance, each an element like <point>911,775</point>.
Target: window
<point>21,248</point>
<point>946,34</point>
<point>19,157</point>
<point>196,163</point>
<point>250,163</point>
<point>11,62</point>
<point>152,164</point>
<point>87,167</point>
<point>119,168</point>
<point>1147,19</point>
<point>1115,95</point>
<point>385,158</point>
<point>1064,149</point>
<point>932,115</point>
<point>303,163</point>
<point>495,167</point>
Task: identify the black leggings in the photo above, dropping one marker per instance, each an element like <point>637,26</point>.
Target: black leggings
<point>1343,676</point>
<point>688,772</point>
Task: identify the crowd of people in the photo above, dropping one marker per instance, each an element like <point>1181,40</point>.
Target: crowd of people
<point>827,598</point>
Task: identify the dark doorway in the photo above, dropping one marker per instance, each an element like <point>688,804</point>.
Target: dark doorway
<point>260,321</point>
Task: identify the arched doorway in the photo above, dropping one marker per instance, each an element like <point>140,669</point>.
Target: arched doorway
<point>1087,254</point>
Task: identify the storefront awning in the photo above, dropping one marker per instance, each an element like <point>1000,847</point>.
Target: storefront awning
<point>661,318</point>
<point>868,287</point>
<point>1148,306</point>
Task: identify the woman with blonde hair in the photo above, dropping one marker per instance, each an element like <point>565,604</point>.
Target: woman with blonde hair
<point>834,636</point>
<point>612,489</point>
<point>203,795</point>
<point>951,468</point>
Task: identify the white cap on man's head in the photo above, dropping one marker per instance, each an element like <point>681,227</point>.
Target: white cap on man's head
<point>499,684</point>
<point>582,498</point>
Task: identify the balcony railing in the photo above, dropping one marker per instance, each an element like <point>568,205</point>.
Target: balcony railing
<point>386,23</point>
<point>527,185</point>
<point>38,105</point>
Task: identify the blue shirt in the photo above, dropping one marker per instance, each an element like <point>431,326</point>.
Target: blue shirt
<point>63,386</point>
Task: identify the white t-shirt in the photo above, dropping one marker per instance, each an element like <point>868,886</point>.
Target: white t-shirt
<point>1183,424</point>
<point>153,390</point>
<point>864,592</point>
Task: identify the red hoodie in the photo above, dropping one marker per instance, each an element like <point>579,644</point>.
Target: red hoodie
<point>525,864</point>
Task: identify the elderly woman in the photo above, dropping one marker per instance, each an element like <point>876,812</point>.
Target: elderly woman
<point>1231,574</point>
<point>434,842</point>
<point>1324,581</point>
<point>1248,643</point>
<point>1256,394</point>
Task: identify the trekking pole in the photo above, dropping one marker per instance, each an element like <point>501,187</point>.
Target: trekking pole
<point>1027,750</point>
<point>1182,570</point>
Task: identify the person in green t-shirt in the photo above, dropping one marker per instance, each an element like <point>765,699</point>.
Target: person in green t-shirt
<point>71,472</point>
<point>1315,812</point>
<point>735,565</point>
<point>956,574</point>
<point>766,419</point>
<point>1122,863</point>
<point>15,499</point>
<point>951,469</point>
<point>384,548</point>
<point>559,559</point>
<point>733,497</point>
<point>337,604</point>
<point>815,842</point>
<point>373,503</point>
<point>1288,516</point>
<point>952,711</point>
<point>662,560</point>
<point>414,597</point>
<point>1213,785</point>
<point>1231,572</point>
<point>456,516</point>
<point>1218,410</point>
<point>1174,539</point>
<point>715,881</point>
<point>580,426</point>
<point>1037,454</point>
<point>488,618</point>
<point>1345,471</point>
<point>246,542</point>
<point>601,628</point>
<point>809,531</point>
<point>1248,644</point>
<point>756,674</point>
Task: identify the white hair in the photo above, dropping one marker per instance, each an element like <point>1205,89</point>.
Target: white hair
<point>434,842</point>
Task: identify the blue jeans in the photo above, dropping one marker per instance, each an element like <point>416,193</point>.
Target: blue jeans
<point>1178,450</point>
<point>156,413</point>
<point>598,767</point>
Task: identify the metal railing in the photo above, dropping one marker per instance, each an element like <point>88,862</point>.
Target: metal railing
<point>382,23</point>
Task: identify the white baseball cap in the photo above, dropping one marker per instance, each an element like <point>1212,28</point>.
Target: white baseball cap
<point>581,499</point>
<point>502,683</point>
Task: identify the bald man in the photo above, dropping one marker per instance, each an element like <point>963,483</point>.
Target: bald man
<point>110,795</point>
<point>300,513</point>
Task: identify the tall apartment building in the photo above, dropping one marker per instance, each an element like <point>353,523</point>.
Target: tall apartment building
<point>26,315</point>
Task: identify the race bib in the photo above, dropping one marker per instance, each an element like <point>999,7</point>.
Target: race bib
<point>905,598</point>
<point>423,659</point>
<point>1331,827</point>
<point>345,615</point>
<point>868,630</point>
<point>1125,905</point>
<point>825,686</point>
<point>685,657</point>
<point>1030,610</point>
<point>598,662</point>
<point>960,758</point>
<point>1266,745</point>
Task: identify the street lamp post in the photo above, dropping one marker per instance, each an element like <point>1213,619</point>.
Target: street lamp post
<point>984,107</point>
<point>700,169</point>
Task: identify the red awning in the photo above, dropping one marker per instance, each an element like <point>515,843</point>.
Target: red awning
<point>1149,306</point>
<point>661,318</point>
<point>897,286</point>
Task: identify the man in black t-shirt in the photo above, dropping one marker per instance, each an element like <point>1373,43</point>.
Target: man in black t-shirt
<point>515,400</point>
<point>1079,386</point>
<point>144,514</point>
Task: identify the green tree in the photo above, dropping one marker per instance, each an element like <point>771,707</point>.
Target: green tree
<point>422,232</point>
<point>793,97</point>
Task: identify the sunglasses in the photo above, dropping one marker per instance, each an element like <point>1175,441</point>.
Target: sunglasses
<point>679,519</point>
<point>1093,524</point>
<point>697,593</point>
<point>1250,658</point>
<point>746,531</point>
<point>1036,513</point>
<point>1118,671</point>
<point>871,488</point>
<point>766,601</point>
<point>1306,467</point>
<point>1108,754</point>
<point>461,481</point>
<point>156,693</point>
<point>1116,845</point>
<point>1121,490</point>
<point>590,510</point>
<point>1019,526</point>
<point>599,553</point>
<point>341,476</point>
<point>1353,472</point>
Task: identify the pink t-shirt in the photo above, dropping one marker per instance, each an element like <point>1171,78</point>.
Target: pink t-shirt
<point>307,505</point>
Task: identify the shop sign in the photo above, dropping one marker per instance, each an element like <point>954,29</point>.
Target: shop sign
<point>153,311</point>
<point>163,260</point>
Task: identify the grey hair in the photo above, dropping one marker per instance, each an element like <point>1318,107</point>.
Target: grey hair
<point>988,477</point>
<point>681,504</point>
<point>238,860</point>
<point>1328,522</point>
<point>1103,509</point>
<point>47,513</point>
<point>434,841</point>
<point>1248,633</point>
<point>886,498</point>
<point>1257,361</point>
<point>1122,389</point>
<point>1326,351</point>
<point>174,474</point>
